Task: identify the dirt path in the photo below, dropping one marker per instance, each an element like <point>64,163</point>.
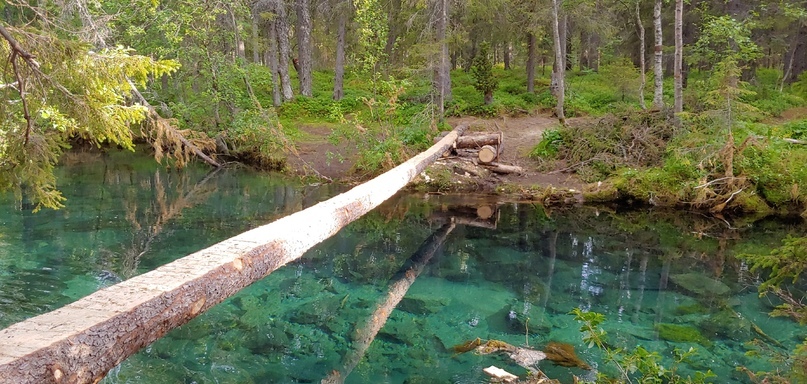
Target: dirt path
<point>521,135</point>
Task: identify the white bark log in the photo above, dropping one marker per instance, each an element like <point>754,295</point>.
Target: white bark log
<point>83,340</point>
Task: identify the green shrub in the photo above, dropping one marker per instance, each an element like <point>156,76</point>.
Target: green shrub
<point>549,145</point>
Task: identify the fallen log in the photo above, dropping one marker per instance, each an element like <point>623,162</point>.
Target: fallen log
<point>478,141</point>
<point>367,333</point>
<point>503,168</point>
<point>82,341</point>
<point>487,154</point>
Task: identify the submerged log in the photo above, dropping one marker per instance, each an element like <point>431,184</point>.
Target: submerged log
<point>397,291</point>
<point>82,341</point>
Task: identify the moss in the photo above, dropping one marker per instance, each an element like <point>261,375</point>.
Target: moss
<point>750,202</point>
<point>691,309</point>
<point>600,192</point>
<point>681,334</point>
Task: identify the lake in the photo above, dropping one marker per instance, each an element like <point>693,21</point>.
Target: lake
<point>387,298</point>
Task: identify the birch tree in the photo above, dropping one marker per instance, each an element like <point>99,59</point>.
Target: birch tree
<point>559,73</point>
<point>658,54</point>
<point>679,57</point>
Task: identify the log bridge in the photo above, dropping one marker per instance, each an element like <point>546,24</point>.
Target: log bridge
<point>82,341</point>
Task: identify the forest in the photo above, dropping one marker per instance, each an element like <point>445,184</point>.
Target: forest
<point>699,105</point>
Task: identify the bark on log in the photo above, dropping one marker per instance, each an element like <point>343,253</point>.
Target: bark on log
<point>487,154</point>
<point>478,141</point>
<point>80,342</point>
<point>503,168</point>
<point>397,290</point>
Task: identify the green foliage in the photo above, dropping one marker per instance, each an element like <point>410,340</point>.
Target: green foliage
<point>74,92</point>
<point>549,145</point>
<point>482,70</point>
<point>637,365</point>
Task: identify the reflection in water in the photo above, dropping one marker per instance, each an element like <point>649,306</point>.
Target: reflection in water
<point>513,279</point>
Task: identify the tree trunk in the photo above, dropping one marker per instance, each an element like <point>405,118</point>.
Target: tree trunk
<point>393,13</point>
<point>795,62</point>
<point>81,341</point>
<point>240,50</point>
<point>584,61</point>
<point>274,66</point>
<point>256,45</point>
<point>506,55</point>
<point>531,62</point>
<point>442,77</point>
<point>658,53</point>
<point>338,91</point>
<point>562,29</point>
<point>642,59</point>
<point>284,48</point>
<point>679,56</point>
<point>304,47</point>
<point>560,70</point>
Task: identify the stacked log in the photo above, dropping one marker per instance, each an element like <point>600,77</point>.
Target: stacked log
<point>482,149</point>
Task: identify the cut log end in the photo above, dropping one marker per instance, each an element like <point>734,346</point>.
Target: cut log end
<point>487,154</point>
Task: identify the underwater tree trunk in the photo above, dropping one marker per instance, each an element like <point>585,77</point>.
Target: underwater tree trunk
<point>365,335</point>
<point>80,342</point>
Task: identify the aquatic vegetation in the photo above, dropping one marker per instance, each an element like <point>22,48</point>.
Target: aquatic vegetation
<point>681,334</point>
<point>700,284</point>
<point>469,345</point>
<point>563,354</point>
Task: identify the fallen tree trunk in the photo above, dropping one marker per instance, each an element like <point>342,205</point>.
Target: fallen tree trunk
<point>478,141</point>
<point>397,290</point>
<point>80,342</point>
<point>503,168</point>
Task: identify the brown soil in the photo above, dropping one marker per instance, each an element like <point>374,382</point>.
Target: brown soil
<point>317,156</point>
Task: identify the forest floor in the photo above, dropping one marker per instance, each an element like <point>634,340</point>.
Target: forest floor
<point>316,155</point>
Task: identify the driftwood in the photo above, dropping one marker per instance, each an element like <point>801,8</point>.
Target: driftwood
<point>397,290</point>
<point>795,141</point>
<point>81,341</point>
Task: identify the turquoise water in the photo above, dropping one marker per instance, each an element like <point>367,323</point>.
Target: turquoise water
<point>649,273</point>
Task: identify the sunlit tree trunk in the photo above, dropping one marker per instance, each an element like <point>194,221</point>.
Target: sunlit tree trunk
<point>338,91</point>
<point>658,53</point>
<point>679,56</point>
<point>284,48</point>
<point>531,62</point>
<point>304,47</point>
<point>560,69</point>
<point>642,55</point>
